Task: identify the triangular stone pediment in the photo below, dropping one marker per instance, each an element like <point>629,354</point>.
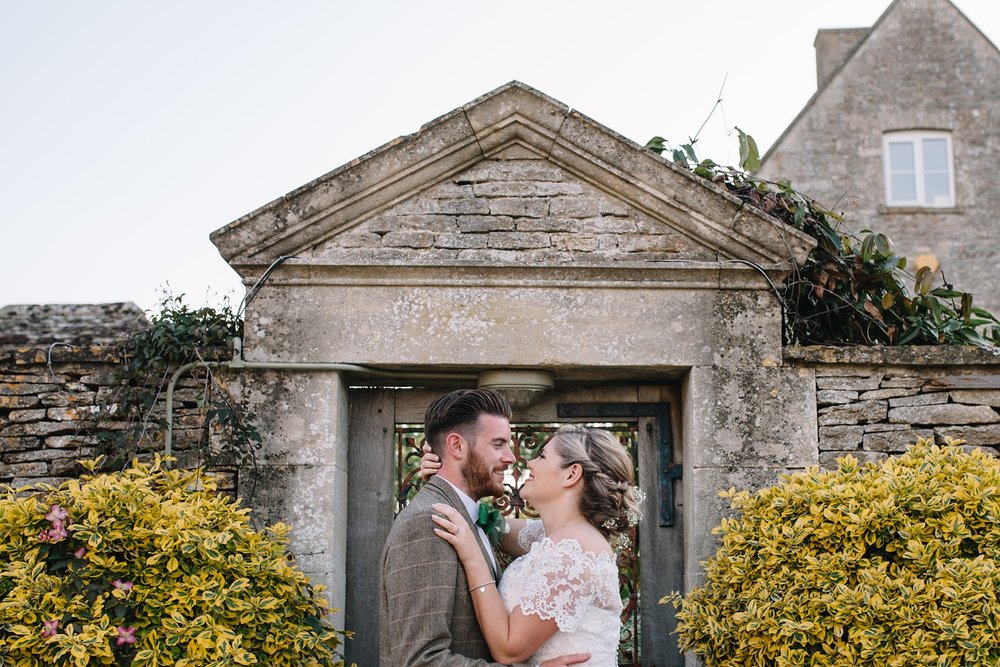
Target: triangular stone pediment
<point>510,177</point>
<point>512,207</point>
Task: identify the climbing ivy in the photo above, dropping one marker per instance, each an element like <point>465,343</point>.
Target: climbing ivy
<point>852,288</point>
<point>177,335</point>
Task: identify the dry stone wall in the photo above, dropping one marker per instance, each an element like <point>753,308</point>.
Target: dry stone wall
<point>57,366</point>
<point>873,402</point>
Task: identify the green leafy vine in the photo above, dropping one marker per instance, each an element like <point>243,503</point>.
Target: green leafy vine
<point>177,335</point>
<point>852,289</point>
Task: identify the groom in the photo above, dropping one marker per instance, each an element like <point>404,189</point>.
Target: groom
<point>426,616</point>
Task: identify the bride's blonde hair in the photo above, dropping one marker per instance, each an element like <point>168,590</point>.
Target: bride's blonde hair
<point>609,500</point>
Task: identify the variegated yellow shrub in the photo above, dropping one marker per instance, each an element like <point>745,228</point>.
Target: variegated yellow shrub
<point>891,563</point>
<point>151,567</point>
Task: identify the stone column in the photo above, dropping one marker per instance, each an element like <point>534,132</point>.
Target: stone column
<point>747,419</point>
<point>301,476</point>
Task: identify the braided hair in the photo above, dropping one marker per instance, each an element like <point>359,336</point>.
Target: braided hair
<point>609,501</point>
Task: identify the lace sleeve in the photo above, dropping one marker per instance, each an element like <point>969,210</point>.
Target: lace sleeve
<point>532,531</point>
<point>559,583</point>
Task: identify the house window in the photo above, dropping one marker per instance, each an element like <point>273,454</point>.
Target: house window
<point>918,169</point>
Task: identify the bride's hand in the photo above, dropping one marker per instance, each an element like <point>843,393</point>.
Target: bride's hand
<point>430,463</point>
<point>454,530</point>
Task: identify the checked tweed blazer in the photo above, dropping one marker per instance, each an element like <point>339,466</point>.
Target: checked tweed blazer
<point>426,617</point>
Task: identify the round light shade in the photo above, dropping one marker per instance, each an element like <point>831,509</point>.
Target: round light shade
<point>521,388</point>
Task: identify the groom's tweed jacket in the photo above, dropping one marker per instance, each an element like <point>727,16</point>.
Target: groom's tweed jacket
<point>426,617</point>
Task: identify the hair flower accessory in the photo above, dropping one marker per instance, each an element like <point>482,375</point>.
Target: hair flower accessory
<point>634,514</point>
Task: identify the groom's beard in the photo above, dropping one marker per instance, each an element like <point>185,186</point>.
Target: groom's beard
<point>478,477</point>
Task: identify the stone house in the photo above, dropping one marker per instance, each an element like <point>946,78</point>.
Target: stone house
<point>901,135</point>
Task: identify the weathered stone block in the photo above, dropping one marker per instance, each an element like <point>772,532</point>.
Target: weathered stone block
<point>549,224</point>
<point>67,414</point>
<point>505,189</point>
<point>452,190</point>
<point>882,426</point>
<point>104,378</point>
<point>35,455</point>
<point>81,399</point>
<point>390,222</point>
<point>865,383</point>
<point>574,242</point>
<point>33,469</point>
<point>835,397</point>
<point>408,239</point>
<point>17,444</point>
<point>609,225</point>
<point>426,205</point>
<point>39,429</point>
<point>549,189</point>
<point>18,402</point>
<point>989,397</point>
<point>643,243</point>
<point>891,392</point>
<point>862,412</point>
<point>461,240</point>
<point>843,438</point>
<point>20,416</point>
<point>894,441</point>
<point>29,480</point>
<point>519,207</point>
<point>586,207</point>
<point>949,413</point>
<point>973,435</point>
<point>25,388</point>
<point>358,238</point>
<point>511,170</point>
<point>518,240</point>
<point>69,441</point>
<point>485,223</point>
<point>919,399</point>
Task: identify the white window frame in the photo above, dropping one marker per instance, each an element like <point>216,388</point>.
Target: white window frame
<point>916,138</point>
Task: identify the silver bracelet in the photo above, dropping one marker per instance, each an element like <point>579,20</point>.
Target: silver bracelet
<point>482,586</point>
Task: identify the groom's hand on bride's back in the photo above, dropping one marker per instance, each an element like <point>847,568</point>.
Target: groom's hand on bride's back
<point>572,659</point>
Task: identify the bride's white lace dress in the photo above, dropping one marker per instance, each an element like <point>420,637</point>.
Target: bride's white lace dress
<point>578,589</point>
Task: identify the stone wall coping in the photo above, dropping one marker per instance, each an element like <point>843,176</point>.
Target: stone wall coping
<point>83,325</point>
<point>903,355</point>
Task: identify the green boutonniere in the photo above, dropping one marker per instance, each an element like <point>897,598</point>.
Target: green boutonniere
<point>492,522</point>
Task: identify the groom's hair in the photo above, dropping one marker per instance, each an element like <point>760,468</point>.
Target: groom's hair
<point>459,411</point>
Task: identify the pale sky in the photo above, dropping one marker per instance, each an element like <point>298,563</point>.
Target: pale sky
<point>131,130</point>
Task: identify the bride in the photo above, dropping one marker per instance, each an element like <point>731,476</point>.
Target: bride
<point>561,594</point>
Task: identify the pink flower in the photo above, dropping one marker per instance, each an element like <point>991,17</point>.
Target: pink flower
<point>50,628</point>
<point>57,534</point>
<point>56,515</point>
<point>80,553</point>
<point>123,585</point>
<point>125,636</point>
